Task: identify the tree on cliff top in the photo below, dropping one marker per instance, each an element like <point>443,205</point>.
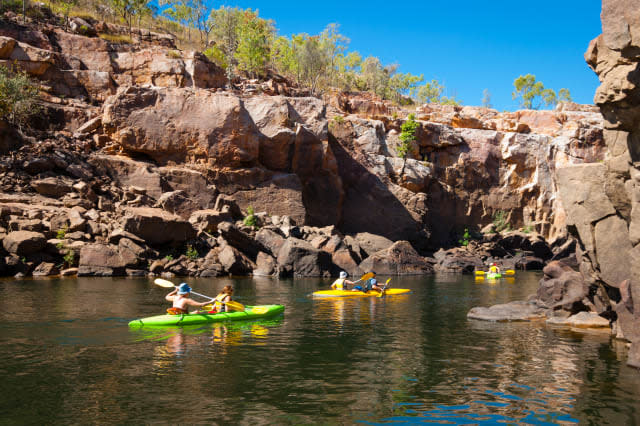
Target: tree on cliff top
<point>532,94</point>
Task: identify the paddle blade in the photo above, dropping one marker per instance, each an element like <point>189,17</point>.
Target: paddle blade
<point>386,284</point>
<point>509,272</point>
<point>367,276</point>
<point>235,306</point>
<point>480,272</point>
<point>163,283</point>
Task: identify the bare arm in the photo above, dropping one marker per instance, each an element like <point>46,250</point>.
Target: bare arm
<point>195,304</point>
<point>171,295</point>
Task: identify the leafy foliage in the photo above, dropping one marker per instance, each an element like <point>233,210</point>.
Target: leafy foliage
<point>18,96</point>
<point>407,135</point>
<point>192,253</point>
<point>431,92</point>
<point>70,257</point>
<point>486,99</point>
<point>250,219</point>
<point>532,94</point>
<point>466,238</point>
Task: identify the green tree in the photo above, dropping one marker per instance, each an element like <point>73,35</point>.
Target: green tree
<point>431,92</point>
<point>255,36</point>
<point>127,10</point>
<point>180,11</point>
<point>532,94</point>
<point>18,96</point>
<point>226,35</point>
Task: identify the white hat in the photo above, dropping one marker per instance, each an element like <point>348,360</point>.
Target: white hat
<point>343,274</point>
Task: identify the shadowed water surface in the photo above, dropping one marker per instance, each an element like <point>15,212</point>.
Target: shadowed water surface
<point>68,357</point>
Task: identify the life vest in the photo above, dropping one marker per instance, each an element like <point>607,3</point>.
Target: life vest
<point>493,269</point>
<point>219,306</point>
<point>339,283</point>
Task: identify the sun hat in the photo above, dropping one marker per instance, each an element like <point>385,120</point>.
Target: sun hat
<point>343,274</point>
<point>184,289</point>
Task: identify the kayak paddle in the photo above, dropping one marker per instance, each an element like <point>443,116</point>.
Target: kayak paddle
<point>366,277</point>
<point>235,306</point>
<point>384,288</point>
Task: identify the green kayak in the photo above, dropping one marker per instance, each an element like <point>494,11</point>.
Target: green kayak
<point>492,275</point>
<point>250,312</point>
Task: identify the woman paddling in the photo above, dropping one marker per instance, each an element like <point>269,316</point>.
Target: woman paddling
<point>341,283</point>
<point>181,300</point>
<point>222,299</point>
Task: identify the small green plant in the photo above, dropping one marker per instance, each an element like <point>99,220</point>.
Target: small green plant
<point>394,115</point>
<point>466,237</point>
<point>192,253</point>
<point>407,135</point>
<point>500,221</point>
<point>62,233</point>
<point>168,257</point>
<point>23,259</point>
<point>60,245</point>
<point>70,258</point>
<point>116,38</point>
<point>250,219</point>
<point>174,54</point>
<point>338,119</point>
<point>527,229</point>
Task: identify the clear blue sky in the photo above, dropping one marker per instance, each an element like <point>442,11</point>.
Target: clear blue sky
<point>467,45</point>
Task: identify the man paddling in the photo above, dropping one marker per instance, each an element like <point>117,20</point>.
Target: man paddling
<point>181,300</point>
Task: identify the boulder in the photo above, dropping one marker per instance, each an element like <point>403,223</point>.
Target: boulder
<point>346,261</point>
<point>240,240</point>
<point>52,187</point>
<point>399,259</point>
<point>234,262</point>
<point>104,260</point>
<point>513,311</point>
<point>266,265</point>
<point>561,286</point>
<point>156,226</point>
<point>22,243</point>
<point>208,220</point>
<point>210,266</point>
<point>298,258</point>
<point>371,243</point>
<point>582,320</point>
<point>45,269</point>
<point>270,240</point>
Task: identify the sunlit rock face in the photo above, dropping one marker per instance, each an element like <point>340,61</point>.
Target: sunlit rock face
<point>603,201</point>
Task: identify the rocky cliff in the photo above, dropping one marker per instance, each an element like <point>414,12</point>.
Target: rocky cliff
<point>145,160</point>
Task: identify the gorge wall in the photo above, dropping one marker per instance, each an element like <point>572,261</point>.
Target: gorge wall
<point>139,137</point>
<point>603,199</point>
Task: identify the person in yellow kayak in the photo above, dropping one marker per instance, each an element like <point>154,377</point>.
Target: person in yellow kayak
<point>342,282</point>
<point>494,269</point>
<point>370,284</point>
<point>181,300</point>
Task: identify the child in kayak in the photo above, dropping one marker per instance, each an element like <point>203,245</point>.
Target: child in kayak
<point>493,269</point>
<point>341,283</point>
<point>181,300</point>
<point>222,298</point>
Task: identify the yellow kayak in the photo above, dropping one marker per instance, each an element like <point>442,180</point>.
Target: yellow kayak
<point>349,293</point>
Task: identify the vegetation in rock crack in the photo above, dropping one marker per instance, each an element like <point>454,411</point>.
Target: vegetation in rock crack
<point>18,96</point>
<point>407,135</point>
<point>168,258</point>
<point>527,229</point>
<point>192,253</point>
<point>250,219</point>
<point>532,94</point>
<point>466,238</point>
<point>500,221</point>
<point>70,257</point>
<point>62,233</point>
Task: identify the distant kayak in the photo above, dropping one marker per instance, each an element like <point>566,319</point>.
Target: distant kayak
<point>250,312</point>
<point>348,293</point>
<point>491,275</point>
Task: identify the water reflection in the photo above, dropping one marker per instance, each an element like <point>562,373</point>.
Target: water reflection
<point>404,359</point>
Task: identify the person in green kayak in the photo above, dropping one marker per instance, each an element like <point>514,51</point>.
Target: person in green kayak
<point>342,282</point>
<point>181,300</point>
<point>222,298</point>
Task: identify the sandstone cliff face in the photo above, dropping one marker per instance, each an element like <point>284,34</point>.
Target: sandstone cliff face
<point>603,200</point>
<point>146,126</point>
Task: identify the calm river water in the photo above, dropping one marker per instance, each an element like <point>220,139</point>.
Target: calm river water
<point>68,357</point>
